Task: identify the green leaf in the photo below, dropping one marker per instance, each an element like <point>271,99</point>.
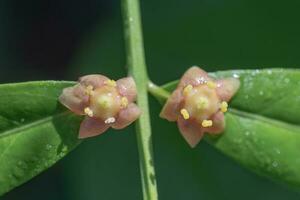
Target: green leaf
<point>263,124</point>
<point>35,130</point>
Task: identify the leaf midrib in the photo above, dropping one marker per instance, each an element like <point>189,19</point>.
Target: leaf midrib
<point>31,124</point>
<point>272,121</point>
<point>42,119</point>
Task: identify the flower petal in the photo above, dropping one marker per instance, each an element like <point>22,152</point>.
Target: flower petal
<point>127,116</point>
<point>91,127</point>
<point>218,124</point>
<point>190,130</point>
<point>74,98</point>
<point>227,88</point>
<point>193,76</point>
<point>170,109</point>
<point>95,80</point>
<point>127,88</point>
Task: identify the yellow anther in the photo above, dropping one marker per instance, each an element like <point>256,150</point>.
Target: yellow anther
<point>224,106</point>
<point>88,112</point>
<point>111,83</point>
<point>202,103</point>
<point>124,102</point>
<point>207,123</point>
<point>89,89</point>
<point>185,114</point>
<point>211,84</point>
<point>187,89</point>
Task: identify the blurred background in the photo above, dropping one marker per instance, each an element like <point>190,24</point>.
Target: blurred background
<point>64,39</point>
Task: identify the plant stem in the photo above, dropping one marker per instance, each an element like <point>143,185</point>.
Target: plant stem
<point>137,68</point>
<point>159,93</point>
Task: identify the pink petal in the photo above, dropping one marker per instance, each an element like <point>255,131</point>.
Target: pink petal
<point>127,88</point>
<point>74,98</point>
<point>91,127</point>
<point>227,88</point>
<point>218,124</point>
<point>96,80</point>
<point>190,130</point>
<point>127,116</point>
<point>170,109</point>
<point>193,76</point>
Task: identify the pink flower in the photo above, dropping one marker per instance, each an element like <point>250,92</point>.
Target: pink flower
<point>104,102</point>
<point>198,104</point>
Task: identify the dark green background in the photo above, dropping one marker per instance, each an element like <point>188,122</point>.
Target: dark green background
<point>64,39</point>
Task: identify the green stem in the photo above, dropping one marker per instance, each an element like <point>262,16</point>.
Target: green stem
<point>137,68</point>
<point>158,92</point>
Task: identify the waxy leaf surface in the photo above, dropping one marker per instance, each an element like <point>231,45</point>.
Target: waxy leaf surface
<point>35,130</point>
<point>263,125</point>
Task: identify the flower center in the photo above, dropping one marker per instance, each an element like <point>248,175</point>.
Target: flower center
<point>201,102</point>
<point>105,102</point>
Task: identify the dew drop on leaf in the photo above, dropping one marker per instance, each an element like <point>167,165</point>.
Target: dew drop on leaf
<point>275,164</point>
<point>286,80</point>
<point>261,93</point>
<point>235,76</point>
<point>277,151</point>
<point>48,147</point>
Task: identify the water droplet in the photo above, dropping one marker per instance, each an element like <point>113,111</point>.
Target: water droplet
<point>286,80</point>
<point>253,73</point>
<point>130,19</point>
<point>261,93</point>
<point>22,120</point>
<point>64,149</point>
<point>274,164</point>
<point>235,76</point>
<point>48,147</point>
<point>277,151</point>
<point>246,96</point>
<point>247,133</point>
<point>269,72</point>
<point>201,80</point>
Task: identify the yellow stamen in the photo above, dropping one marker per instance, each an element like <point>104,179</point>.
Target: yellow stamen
<point>187,89</point>
<point>211,84</point>
<point>88,112</point>
<point>124,102</point>
<point>89,89</point>
<point>224,106</point>
<point>207,123</point>
<point>202,103</point>
<point>185,114</point>
<point>111,83</point>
